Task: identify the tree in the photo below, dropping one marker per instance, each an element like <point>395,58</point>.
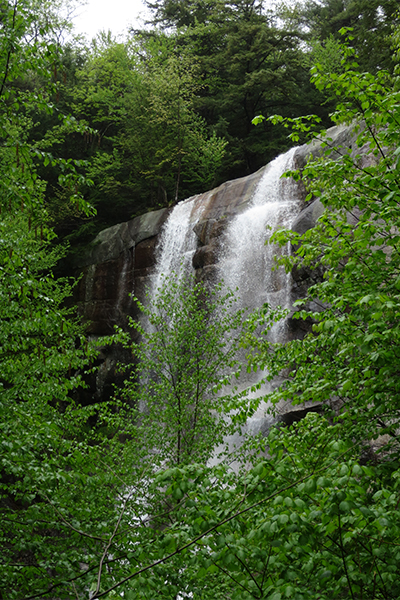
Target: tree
<point>82,502</point>
<point>178,152</point>
<point>372,23</point>
<point>355,244</point>
<point>42,356</point>
<point>172,13</point>
<point>147,146</point>
<point>304,523</point>
<point>310,520</point>
<point>249,61</point>
<point>187,360</point>
<point>65,468</point>
<point>42,346</point>
<point>30,56</point>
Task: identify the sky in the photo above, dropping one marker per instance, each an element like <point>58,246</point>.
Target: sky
<point>116,15</point>
<point>107,14</point>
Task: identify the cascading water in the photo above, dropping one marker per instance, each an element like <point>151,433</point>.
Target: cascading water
<point>247,260</point>
<point>177,241</point>
<point>244,260</point>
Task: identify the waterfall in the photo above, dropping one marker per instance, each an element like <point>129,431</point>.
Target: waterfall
<point>177,241</point>
<point>246,266</point>
<point>245,261</point>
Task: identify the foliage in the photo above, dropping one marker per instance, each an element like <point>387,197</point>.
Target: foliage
<point>319,517</point>
<point>187,362</point>
<point>248,61</point>
<point>177,149</point>
<point>82,495</point>
<point>150,147</point>
<point>309,521</point>
<point>302,524</point>
<point>371,21</point>
<point>355,328</point>
<point>119,500</point>
<point>168,113</point>
<point>42,353</point>
<point>42,347</point>
<point>30,54</point>
<point>173,106</point>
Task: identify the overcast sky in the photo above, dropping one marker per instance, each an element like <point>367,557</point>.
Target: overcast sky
<point>116,15</point>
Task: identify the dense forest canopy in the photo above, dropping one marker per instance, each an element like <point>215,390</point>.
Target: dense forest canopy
<point>170,109</point>
<point>95,501</point>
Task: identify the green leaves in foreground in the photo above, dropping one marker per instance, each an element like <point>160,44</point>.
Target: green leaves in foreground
<point>349,359</point>
<point>311,521</point>
<point>188,362</point>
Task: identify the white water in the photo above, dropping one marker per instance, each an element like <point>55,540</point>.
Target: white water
<point>245,260</point>
<point>178,241</point>
<point>246,265</point>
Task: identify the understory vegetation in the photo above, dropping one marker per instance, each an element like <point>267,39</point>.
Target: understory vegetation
<point>117,499</point>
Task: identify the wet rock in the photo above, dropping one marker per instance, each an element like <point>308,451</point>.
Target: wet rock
<point>205,255</point>
<point>109,243</point>
<point>121,259</point>
<point>308,217</point>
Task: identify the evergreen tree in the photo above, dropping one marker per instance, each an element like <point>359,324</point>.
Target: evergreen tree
<point>372,23</point>
<point>249,62</point>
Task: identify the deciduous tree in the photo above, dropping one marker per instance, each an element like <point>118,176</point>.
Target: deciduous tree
<point>187,362</point>
<point>310,520</point>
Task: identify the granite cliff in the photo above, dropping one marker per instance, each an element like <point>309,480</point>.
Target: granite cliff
<point>212,233</point>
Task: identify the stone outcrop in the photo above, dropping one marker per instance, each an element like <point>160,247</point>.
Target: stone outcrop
<point>119,261</point>
<point>121,257</point>
<point>112,267</point>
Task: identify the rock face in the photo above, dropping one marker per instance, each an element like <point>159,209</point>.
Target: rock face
<point>122,259</point>
<point>111,268</point>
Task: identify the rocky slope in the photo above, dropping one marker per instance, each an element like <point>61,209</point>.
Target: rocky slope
<point>121,260</point>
